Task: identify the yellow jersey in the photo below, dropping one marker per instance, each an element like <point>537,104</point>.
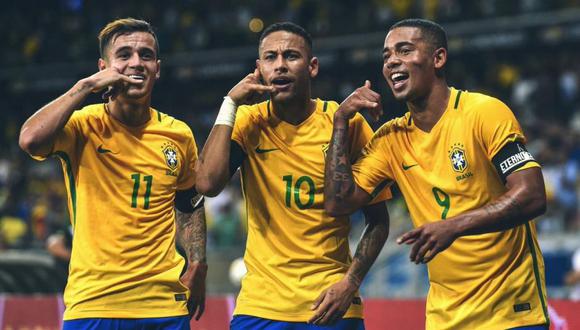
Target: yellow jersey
<point>488,281</point>
<point>294,250</point>
<point>121,183</point>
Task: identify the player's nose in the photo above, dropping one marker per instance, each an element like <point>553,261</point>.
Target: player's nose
<point>280,64</point>
<point>135,60</point>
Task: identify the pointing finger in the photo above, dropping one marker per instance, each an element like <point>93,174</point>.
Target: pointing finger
<point>409,236</point>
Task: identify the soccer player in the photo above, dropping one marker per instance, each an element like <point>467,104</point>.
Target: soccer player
<point>129,176</point>
<point>472,189</point>
<point>299,266</point>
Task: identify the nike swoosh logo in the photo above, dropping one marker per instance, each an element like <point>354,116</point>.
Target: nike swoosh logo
<point>102,150</point>
<point>405,167</point>
<point>263,151</point>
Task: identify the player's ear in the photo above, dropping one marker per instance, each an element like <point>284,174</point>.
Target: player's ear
<point>102,64</point>
<point>439,58</point>
<point>313,67</point>
<point>260,69</point>
<point>158,73</point>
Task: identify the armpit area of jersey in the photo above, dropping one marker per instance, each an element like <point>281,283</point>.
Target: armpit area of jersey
<point>187,201</point>
<point>510,158</point>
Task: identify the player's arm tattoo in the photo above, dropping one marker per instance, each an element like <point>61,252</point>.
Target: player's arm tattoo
<point>503,213</point>
<point>524,200</point>
<point>79,90</point>
<point>339,183</point>
<point>507,207</point>
<point>371,243</point>
<point>192,234</point>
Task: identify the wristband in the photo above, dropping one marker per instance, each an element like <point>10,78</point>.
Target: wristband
<point>227,114</point>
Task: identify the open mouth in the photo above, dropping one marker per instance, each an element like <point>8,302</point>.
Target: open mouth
<point>137,77</point>
<point>281,83</point>
<point>399,79</point>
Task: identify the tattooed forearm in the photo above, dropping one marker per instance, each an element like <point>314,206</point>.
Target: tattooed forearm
<point>369,247</point>
<point>339,182</point>
<point>78,91</point>
<point>199,235</point>
<point>507,207</point>
<point>504,213</point>
<point>191,234</point>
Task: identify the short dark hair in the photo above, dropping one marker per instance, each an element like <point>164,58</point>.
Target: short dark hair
<point>124,26</point>
<point>288,27</point>
<point>430,30</point>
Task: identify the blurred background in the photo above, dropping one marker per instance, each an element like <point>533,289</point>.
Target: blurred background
<point>524,52</point>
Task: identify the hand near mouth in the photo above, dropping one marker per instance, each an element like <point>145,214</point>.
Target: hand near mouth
<point>248,88</point>
<point>362,98</point>
<point>109,77</point>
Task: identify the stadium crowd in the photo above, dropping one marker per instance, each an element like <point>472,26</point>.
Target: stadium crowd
<point>541,84</point>
<point>64,30</point>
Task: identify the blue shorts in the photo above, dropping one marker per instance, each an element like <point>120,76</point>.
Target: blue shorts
<point>160,323</point>
<point>245,322</point>
<point>532,327</point>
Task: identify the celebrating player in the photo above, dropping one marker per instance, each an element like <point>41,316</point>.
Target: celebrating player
<point>299,266</point>
<point>472,189</point>
<point>126,166</point>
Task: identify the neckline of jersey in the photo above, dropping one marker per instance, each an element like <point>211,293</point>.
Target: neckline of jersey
<point>127,127</point>
<point>317,109</point>
<point>450,106</point>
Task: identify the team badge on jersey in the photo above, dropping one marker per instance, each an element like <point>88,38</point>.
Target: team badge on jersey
<point>170,153</point>
<point>325,148</point>
<point>458,158</point>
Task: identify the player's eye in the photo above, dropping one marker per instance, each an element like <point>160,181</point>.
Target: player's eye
<point>292,56</point>
<point>147,56</point>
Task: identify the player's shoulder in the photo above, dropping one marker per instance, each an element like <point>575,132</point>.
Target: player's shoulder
<point>253,112</point>
<point>479,103</point>
<point>328,108</point>
<point>252,116</point>
<point>394,126</point>
<point>91,111</point>
<point>169,123</point>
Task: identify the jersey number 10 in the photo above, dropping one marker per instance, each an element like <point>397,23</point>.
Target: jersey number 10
<point>296,189</point>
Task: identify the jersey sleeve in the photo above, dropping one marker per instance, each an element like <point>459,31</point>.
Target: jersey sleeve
<point>372,171</point>
<point>186,178</point>
<point>67,139</point>
<point>241,125</point>
<point>499,127</point>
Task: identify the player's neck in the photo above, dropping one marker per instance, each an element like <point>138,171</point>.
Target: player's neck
<point>294,112</point>
<point>427,111</point>
<point>129,113</point>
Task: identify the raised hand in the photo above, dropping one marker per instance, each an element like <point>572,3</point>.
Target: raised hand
<point>362,98</point>
<point>110,78</point>
<point>247,89</point>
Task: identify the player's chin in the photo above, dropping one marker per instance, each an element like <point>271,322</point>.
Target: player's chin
<point>136,93</point>
<point>401,95</point>
<point>282,96</point>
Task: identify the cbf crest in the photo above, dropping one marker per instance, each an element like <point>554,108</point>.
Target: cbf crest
<point>325,149</point>
<point>170,154</point>
<point>458,158</point>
